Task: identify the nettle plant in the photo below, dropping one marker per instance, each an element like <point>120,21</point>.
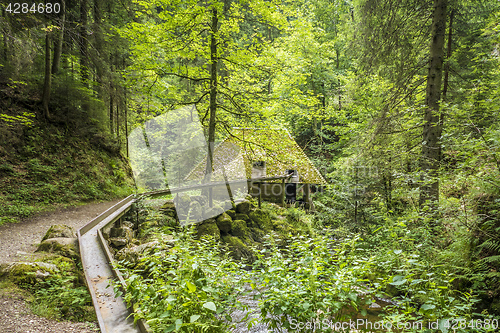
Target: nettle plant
<point>309,279</point>
<point>190,287</point>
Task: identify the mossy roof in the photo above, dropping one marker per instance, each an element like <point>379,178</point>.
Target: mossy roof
<point>247,145</point>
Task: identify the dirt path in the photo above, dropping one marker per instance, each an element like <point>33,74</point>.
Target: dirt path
<point>18,240</point>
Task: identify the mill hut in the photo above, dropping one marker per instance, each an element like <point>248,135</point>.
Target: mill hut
<point>262,157</point>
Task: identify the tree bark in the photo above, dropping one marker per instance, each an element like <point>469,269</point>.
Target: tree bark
<point>213,93</point>
<point>84,62</point>
<point>448,56</point>
<point>59,41</point>
<point>432,125</point>
<point>48,78</point>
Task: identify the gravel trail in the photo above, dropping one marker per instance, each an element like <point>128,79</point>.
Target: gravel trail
<point>17,241</point>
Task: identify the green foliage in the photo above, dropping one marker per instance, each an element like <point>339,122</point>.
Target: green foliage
<point>308,279</point>
<point>190,287</point>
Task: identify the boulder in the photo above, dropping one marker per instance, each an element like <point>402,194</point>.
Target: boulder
<point>243,207</point>
<point>212,212</point>
<point>67,247</point>
<point>231,213</point>
<point>208,228</point>
<point>23,273</point>
<point>132,254</point>
<point>237,248</point>
<point>122,232</point>
<point>224,222</point>
<point>118,242</point>
<point>239,228</point>
<point>240,216</point>
<point>59,231</point>
<point>260,219</point>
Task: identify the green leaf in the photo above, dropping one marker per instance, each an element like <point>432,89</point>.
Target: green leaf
<point>178,324</point>
<point>427,306</point>
<point>194,318</point>
<point>191,287</point>
<point>210,306</point>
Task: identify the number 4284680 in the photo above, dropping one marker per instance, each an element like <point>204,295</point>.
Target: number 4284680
<point>35,8</point>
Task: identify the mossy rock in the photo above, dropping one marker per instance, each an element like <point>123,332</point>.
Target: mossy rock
<point>224,222</point>
<point>240,216</point>
<point>239,228</point>
<point>231,213</point>
<point>59,231</point>
<point>66,247</point>
<point>27,273</point>
<point>261,219</point>
<point>132,254</point>
<point>237,248</point>
<point>208,228</point>
<point>243,207</point>
<point>257,235</point>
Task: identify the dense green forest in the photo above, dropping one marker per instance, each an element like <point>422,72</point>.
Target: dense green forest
<point>396,102</point>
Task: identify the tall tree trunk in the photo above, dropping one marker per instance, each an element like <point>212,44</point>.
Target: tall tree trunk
<point>213,93</point>
<point>59,41</point>
<point>99,57</point>
<point>48,78</point>
<point>84,62</point>
<point>111,109</point>
<point>448,56</point>
<point>126,119</point>
<point>432,125</point>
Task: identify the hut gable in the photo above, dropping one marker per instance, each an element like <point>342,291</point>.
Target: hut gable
<point>276,147</point>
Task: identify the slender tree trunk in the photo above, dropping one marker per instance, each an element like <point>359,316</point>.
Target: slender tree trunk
<point>126,120</point>
<point>84,62</point>
<point>448,56</point>
<point>432,126</point>
<point>111,109</point>
<point>213,93</point>
<point>48,78</point>
<point>59,41</point>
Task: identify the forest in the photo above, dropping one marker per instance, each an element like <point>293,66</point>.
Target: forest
<point>395,102</point>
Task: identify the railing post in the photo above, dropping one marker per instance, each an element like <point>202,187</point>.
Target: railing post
<point>260,195</point>
<point>282,194</point>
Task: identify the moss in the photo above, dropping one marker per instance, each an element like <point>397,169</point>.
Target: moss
<point>238,249</point>
<point>67,247</point>
<point>261,219</point>
<point>239,228</point>
<point>231,213</point>
<point>59,230</point>
<point>257,235</point>
<point>224,222</point>
<point>24,273</point>
<point>240,216</point>
<point>243,207</point>
<point>208,228</point>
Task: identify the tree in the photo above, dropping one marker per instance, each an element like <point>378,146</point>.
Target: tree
<point>433,127</point>
<point>207,53</point>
